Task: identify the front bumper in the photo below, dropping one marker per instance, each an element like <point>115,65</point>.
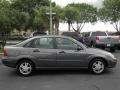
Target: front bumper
<point>112,63</point>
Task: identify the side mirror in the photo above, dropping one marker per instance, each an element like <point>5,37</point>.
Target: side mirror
<point>79,48</point>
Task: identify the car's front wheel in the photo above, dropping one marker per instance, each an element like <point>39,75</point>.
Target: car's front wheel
<point>25,68</point>
<point>97,66</point>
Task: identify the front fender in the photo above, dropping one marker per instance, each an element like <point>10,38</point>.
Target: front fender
<point>90,58</point>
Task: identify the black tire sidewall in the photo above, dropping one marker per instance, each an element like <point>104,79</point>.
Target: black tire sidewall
<point>18,70</point>
<point>91,64</point>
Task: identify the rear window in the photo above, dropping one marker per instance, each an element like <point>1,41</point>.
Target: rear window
<point>71,34</point>
<point>99,34</point>
<point>46,43</point>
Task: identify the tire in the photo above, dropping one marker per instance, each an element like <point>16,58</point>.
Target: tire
<point>97,66</point>
<point>112,49</point>
<point>25,67</point>
<point>92,44</point>
<point>118,47</point>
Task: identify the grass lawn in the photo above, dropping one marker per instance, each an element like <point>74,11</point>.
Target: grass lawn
<point>1,50</point>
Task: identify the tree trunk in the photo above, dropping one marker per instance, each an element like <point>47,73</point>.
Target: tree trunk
<point>57,28</point>
<point>3,40</point>
<point>69,27</point>
<point>77,27</point>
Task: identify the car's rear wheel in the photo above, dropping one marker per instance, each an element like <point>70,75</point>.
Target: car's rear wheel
<point>97,66</point>
<point>25,68</point>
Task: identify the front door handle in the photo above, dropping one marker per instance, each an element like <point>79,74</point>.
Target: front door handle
<point>62,52</point>
<point>36,50</point>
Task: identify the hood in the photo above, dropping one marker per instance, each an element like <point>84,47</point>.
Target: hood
<point>96,51</point>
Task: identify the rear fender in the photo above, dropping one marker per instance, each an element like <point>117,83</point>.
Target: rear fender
<point>27,57</point>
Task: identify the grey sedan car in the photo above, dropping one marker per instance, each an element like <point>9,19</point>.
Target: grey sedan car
<point>53,52</point>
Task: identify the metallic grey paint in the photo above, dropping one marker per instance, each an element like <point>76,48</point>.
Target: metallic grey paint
<point>56,58</point>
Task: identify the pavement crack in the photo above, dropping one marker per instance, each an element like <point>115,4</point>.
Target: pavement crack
<point>96,87</point>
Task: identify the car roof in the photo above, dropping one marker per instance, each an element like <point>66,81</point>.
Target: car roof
<point>51,36</point>
<point>54,36</point>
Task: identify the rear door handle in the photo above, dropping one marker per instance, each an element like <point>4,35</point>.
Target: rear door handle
<point>36,50</point>
<point>62,52</point>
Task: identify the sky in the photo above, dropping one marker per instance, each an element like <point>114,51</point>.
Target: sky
<point>99,26</point>
<point>63,3</point>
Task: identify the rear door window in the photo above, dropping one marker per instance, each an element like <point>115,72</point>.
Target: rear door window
<point>45,43</point>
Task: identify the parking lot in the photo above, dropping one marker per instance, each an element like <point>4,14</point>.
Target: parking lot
<point>61,79</point>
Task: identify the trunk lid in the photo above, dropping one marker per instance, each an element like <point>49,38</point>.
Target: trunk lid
<point>108,39</point>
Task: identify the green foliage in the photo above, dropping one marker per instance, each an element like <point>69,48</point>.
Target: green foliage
<point>41,22</point>
<point>87,13</point>
<point>29,5</point>
<point>31,14</point>
<point>21,20</point>
<point>22,15</point>
<point>80,14</point>
<point>71,14</point>
<point>56,18</point>
<point>27,13</point>
<point>58,11</point>
<point>5,14</point>
<point>1,50</point>
<point>6,23</point>
<point>111,13</point>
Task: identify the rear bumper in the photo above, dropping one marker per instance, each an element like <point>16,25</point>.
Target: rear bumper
<point>8,62</point>
<point>106,45</point>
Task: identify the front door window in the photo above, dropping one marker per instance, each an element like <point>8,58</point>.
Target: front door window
<point>63,43</point>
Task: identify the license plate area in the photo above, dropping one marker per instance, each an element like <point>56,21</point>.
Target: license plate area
<point>108,45</point>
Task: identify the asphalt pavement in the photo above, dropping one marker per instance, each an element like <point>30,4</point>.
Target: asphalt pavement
<point>61,79</point>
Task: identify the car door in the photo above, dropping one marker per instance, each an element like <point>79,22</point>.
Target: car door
<point>44,51</point>
<point>68,55</point>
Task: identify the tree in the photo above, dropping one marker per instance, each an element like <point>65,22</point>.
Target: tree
<point>41,22</point>
<point>110,12</point>
<point>20,15</point>
<point>56,18</point>
<point>42,18</point>
<point>87,14</point>
<point>6,20</point>
<point>21,20</point>
<point>70,14</point>
<point>29,5</point>
<point>80,14</point>
<point>27,11</point>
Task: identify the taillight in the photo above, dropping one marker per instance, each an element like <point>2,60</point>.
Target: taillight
<point>5,53</point>
<point>97,38</point>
